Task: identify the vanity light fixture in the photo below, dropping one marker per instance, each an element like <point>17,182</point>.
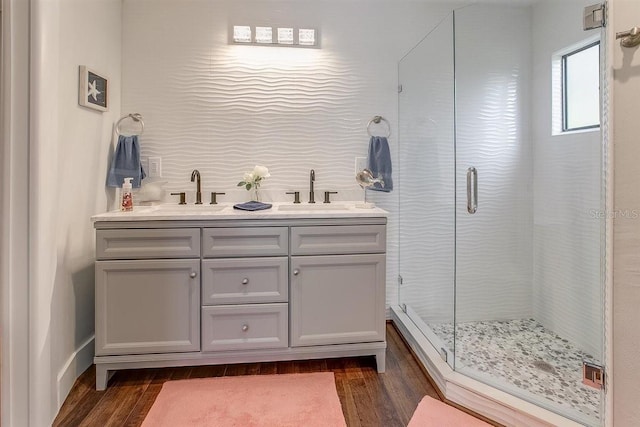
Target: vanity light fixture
<point>264,35</point>
<point>275,36</point>
<point>306,37</point>
<point>285,35</point>
<point>241,34</point>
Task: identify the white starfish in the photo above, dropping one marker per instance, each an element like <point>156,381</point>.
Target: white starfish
<point>93,91</point>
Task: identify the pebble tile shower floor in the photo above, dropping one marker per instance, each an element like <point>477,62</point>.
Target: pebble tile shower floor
<point>525,354</point>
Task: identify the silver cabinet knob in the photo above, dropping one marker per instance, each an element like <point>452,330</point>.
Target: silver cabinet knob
<point>296,272</point>
<point>193,274</point>
<point>245,281</point>
<point>245,327</point>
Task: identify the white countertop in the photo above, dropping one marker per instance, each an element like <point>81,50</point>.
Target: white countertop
<point>175,212</point>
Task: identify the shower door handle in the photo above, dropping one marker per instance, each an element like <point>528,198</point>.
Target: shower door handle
<point>472,190</point>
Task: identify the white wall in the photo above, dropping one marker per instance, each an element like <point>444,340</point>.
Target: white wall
<point>223,108</point>
<point>567,290</point>
<point>626,244</point>
<point>70,147</point>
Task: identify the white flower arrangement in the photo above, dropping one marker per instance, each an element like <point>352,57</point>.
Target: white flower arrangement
<point>254,178</point>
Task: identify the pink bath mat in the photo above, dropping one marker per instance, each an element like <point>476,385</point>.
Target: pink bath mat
<point>433,413</point>
<point>246,401</point>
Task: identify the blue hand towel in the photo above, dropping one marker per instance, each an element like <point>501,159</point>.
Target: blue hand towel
<point>379,161</point>
<point>252,206</point>
<point>126,162</point>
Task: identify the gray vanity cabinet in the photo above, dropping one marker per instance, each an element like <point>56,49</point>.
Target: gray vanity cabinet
<point>337,284</point>
<point>145,305</point>
<point>198,292</point>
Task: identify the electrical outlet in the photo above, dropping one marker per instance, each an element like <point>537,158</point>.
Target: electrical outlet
<point>155,167</point>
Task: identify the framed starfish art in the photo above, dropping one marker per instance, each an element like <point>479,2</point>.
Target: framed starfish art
<point>94,89</point>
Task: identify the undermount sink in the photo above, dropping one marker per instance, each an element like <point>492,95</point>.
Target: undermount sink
<point>188,209</point>
<point>313,207</point>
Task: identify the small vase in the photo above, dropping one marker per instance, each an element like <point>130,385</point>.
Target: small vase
<point>256,194</point>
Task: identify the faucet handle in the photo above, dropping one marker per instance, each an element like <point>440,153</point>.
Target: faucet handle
<point>183,197</point>
<point>296,196</point>
<point>328,194</point>
<point>214,194</point>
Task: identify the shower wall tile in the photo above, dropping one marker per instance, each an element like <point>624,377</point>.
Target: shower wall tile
<point>567,293</point>
<point>223,108</point>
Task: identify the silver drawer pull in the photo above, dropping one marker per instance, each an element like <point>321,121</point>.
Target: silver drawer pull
<point>193,274</point>
<point>245,327</point>
<point>245,281</point>
<point>296,272</point>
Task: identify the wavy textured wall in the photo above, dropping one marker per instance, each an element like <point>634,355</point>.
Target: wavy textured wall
<point>223,108</point>
<point>567,292</point>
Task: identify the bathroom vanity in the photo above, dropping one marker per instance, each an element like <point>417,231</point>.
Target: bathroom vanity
<point>186,285</point>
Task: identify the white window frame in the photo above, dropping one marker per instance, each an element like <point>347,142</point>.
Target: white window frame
<point>558,87</point>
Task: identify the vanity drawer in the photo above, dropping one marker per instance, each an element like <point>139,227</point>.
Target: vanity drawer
<point>245,241</point>
<point>148,243</point>
<point>339,239</point>
<point>244,280</point>
<point>244,327</point>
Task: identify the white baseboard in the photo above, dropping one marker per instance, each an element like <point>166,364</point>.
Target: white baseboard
<point>77,363</point>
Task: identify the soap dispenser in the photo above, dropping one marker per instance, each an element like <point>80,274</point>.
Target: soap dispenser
<point>127,197</point>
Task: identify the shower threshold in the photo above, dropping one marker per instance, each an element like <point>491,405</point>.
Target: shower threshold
<point>459,387</point>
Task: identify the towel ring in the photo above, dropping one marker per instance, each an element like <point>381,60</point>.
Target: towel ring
<point>136,117</point>
<point>377,120</point>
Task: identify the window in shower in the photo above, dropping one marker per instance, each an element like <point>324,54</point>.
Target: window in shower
<point>581,88</point>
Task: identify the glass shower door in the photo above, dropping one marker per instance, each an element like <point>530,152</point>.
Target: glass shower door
<point>426,173</point>
<point>528,305</point>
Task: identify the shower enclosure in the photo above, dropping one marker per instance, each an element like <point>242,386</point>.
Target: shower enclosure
<point>502,201</point>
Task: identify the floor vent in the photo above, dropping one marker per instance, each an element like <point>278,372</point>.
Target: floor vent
<point>593,375</point>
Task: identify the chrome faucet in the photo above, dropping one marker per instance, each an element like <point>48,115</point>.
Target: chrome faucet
<point>195,175</point>
<point>312,178</point>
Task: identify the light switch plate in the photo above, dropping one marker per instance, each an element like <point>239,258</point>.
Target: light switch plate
<point>155,167</point>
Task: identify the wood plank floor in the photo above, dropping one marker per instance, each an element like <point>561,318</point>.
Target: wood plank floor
<point>368,399</point>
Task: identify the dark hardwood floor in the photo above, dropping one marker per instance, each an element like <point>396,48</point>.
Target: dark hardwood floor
<point>368,399</point>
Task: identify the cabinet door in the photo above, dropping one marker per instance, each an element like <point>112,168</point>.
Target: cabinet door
<point>147,306</point>
<point>337,299</point>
